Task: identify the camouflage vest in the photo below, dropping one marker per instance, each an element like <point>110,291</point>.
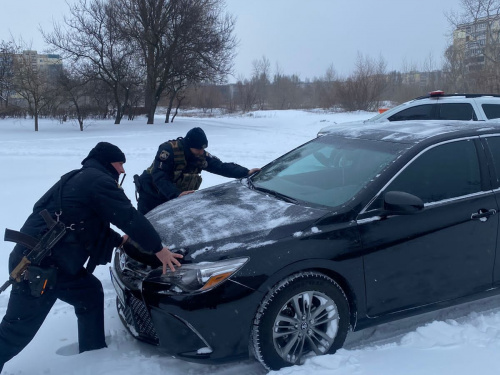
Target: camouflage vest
<point>186,177</point>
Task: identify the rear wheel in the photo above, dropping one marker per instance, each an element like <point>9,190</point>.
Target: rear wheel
<point>306,314</point>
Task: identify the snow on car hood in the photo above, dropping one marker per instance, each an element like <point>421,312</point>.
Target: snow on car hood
<point>227,216</point>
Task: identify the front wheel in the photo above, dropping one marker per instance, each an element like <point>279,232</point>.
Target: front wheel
<point>306,314</point>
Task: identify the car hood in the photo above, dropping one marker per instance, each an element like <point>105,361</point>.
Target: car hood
<point>211,222</point>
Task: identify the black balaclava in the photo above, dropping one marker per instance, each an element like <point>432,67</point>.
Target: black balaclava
<point>106,153</point>
<point>196,138</point>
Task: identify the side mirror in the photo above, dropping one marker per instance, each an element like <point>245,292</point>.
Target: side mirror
<point>401,203</point>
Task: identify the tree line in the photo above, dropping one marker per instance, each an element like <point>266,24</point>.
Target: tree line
<point>127,57</point>
<point>131,51</point>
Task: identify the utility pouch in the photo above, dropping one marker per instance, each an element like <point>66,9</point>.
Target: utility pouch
<point>40,279</point>
<point>189,181</point>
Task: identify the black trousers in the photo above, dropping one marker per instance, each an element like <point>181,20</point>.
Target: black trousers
<point>25,313</point>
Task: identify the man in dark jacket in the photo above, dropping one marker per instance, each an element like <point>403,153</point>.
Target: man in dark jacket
<point>86,201</point>
<point>176,170</point>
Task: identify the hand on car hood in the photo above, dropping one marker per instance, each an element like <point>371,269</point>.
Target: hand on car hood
<point>228,216</point>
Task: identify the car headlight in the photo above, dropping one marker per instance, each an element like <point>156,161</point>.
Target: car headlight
<point>200,276</point>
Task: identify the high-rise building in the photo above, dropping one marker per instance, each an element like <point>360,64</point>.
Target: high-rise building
<point>478,41</point>
<point>50,64</point>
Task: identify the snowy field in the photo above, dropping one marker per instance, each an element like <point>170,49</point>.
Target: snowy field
<point>462,340</point>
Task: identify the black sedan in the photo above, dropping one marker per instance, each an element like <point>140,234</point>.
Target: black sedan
<point>368,224</point>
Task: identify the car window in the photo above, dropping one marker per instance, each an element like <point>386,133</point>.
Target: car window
<point>494,144</point>
<point>446,171</point>
<point>387,114</point>
<point>328,171</point>
<point>491,110</point>
<point>418,112</point>
<point>456,111</point>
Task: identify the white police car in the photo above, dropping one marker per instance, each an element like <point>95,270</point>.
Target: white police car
<point>440,106</point>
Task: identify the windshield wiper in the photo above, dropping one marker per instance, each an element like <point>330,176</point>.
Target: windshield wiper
<point>250,183</point>
<point>275,194</point>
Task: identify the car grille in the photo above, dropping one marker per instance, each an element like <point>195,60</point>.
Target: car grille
<point>139,314</point>
<point>133,309</point>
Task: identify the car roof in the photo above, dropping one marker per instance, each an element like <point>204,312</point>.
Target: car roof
<point>413,132</point>
<point>432,95</point>
<point>455,98</point>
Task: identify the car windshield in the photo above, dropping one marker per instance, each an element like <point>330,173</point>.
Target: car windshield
<point>327,171</point>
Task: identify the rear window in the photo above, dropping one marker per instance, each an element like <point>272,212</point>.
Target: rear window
<point>491,110</point>
<point>456,111</point>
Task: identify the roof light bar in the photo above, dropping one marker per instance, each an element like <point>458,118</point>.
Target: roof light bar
<point>436,93</point>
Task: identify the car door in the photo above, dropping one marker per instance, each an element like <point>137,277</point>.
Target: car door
<point>493,146</point>
<point>445,251</point>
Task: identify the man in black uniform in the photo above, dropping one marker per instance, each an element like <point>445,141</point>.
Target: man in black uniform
<point>86,201</point>
<point>176,170</point>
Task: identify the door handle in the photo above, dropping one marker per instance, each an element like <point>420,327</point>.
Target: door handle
<point>483,214</point>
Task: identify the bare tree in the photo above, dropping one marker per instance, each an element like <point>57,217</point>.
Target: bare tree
<point>136,104</point>
<point>477,42</point>
<point>261,80</point>
<point>405,84</point>
<point>102,99</point>
<point>75,90</point>
<point>6,72</point>
<point>246,94</point>
<point>430,77</point>
<point>175,90</point>
<point>208,97</point>
<point>285,91</point>
<point>326,88</point>
<point>180,98</point>
<point>35,86</point>
<point>362,90</point>
<point>191,37</point>
<point>455,69</point>
<point>91,40</point>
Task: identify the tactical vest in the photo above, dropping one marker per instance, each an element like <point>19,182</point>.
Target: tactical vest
<point>186,177</point>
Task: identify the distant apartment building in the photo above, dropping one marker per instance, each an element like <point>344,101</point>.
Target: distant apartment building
<point>477,40</point>
<point>49,64</point>
<point>45,66</point>
<point>422,79</point>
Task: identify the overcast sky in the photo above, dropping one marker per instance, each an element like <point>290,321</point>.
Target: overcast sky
<point>302,37</point>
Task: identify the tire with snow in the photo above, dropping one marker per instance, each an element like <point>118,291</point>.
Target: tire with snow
<point>304,315</point>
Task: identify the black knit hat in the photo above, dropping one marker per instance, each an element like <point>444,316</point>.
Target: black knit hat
<point>196,138</point>
<point>106,153</point>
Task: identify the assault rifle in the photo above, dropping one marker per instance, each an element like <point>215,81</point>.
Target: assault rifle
<point>39,249</point>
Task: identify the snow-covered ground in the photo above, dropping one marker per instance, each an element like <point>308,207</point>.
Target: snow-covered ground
<point>460,341</point>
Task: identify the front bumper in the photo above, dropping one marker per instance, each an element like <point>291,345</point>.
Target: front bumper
<point>133,312</point>
<point>213,326</point>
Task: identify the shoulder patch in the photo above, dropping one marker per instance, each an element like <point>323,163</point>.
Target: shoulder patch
<point>164,155</point>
